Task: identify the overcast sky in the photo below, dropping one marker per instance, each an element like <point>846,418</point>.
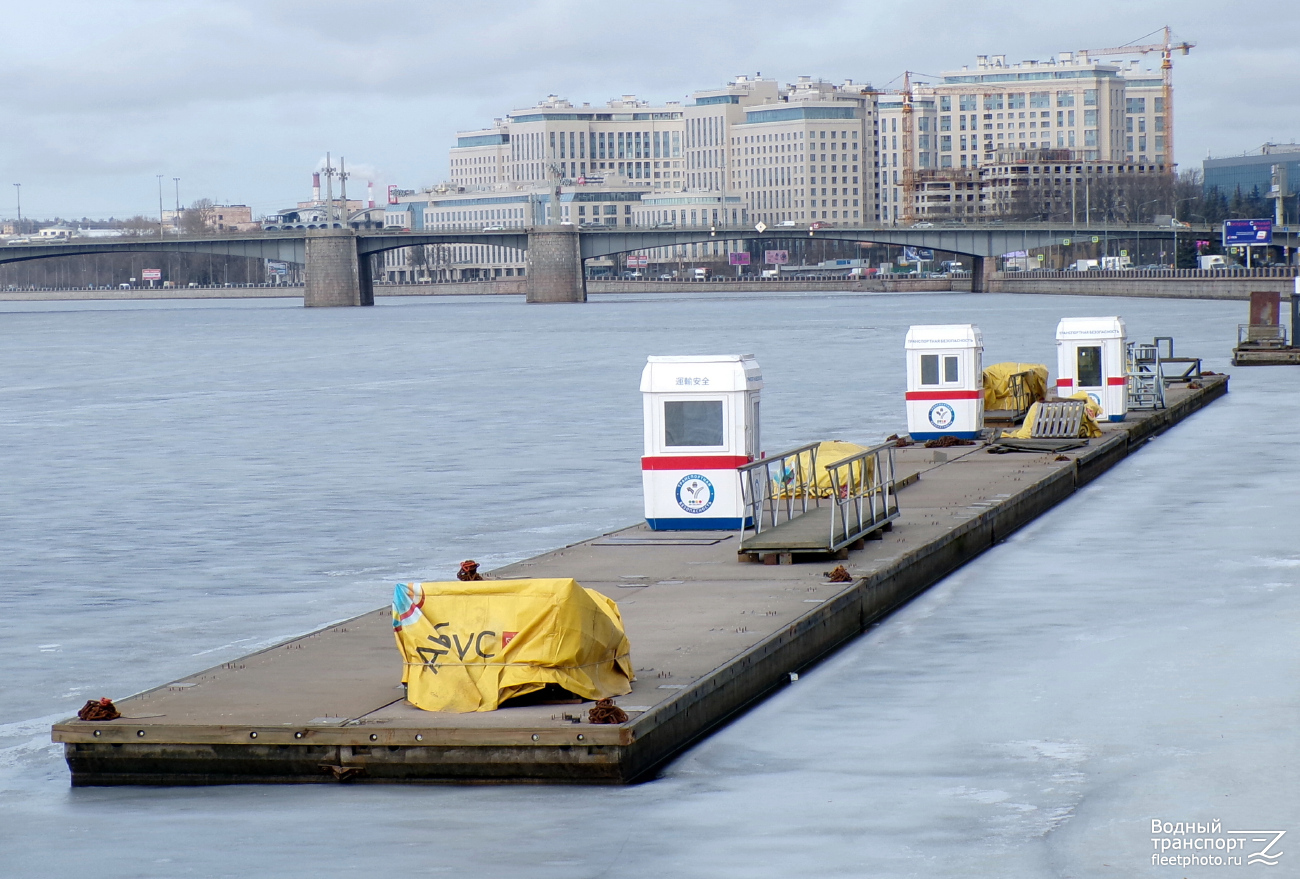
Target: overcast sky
<point>242,98</point>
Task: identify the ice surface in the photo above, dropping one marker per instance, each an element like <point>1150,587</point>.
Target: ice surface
<point>185,482</point>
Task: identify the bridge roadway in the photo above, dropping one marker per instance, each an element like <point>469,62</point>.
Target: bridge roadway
<point>338,268</point>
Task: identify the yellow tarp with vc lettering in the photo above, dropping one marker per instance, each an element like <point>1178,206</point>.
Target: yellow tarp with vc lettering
<point>469,646</point>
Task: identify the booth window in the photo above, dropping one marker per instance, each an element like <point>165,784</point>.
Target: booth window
<point>930,369</point>
<point>1090,366</point>
<point>693,423</point>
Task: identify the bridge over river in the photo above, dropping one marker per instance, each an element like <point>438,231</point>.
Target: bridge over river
<point>338,269</point>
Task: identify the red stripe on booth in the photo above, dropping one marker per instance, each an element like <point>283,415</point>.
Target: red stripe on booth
<point>694,462</point>
<point>944,395</point>
<point>1116,380</point>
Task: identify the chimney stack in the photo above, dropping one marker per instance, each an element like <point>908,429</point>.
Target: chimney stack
<point>315,186</point>
<point>370,193</point>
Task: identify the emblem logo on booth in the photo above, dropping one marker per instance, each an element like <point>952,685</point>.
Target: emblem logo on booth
<point>694,493</point>
<point>942,416</point>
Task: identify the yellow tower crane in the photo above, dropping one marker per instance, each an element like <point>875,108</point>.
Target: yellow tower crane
<point>1166,50</point>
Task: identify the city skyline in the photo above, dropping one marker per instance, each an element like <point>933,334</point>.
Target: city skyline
<point>241,101</point>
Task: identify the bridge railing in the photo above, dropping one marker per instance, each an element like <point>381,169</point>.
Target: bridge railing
<point>1131,274</point>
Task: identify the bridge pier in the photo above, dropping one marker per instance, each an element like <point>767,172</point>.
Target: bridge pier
<point>554,265</point>
<point>983,268</point>
<point>336,275</point>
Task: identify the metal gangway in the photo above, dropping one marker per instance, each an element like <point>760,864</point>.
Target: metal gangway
<point>790,509</point>
<point>1145,374</point>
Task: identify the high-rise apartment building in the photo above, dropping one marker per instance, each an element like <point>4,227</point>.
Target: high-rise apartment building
<point>710,117</point>
<point>751,140</point>
<point>815,151</point>
<point>972,118</point>
<point>627,137</point>
<point>807,154</point>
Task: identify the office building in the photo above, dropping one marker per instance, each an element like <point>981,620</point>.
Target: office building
<point>1254,170</point>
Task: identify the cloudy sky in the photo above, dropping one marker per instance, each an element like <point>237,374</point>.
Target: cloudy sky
<point>240,99</point>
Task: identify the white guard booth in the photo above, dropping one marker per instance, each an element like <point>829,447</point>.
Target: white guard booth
<point>1090,357</point>
<point>945,392</point>
<point>701,423</point>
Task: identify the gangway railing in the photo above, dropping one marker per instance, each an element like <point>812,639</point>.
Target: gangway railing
<point>863,489</point>
<point>777,488</point>
<point>791,508</point>
<point>1146,378</point>
<point>1262,335</point>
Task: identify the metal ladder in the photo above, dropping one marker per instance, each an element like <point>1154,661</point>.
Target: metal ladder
<point>1146,380</point>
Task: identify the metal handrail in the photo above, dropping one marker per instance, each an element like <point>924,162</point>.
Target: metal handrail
<point>1019,392</point>
<point>863,488</point>
<point>781,487</point>
<point>766,493</point>
<point>1270,332</point>
<point>1130,274</point>
<point>1146,374</point>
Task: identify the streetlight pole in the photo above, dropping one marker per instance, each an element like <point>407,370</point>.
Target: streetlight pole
<point>18,188</point>
<point>160,207</point>
<point>1174,258</point>
<point>329,192</point>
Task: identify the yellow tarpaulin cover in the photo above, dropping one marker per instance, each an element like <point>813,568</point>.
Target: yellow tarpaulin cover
<point>1088,426</point>
<point>997,384</point>
<point>827,453</point>
<point>469,646</point>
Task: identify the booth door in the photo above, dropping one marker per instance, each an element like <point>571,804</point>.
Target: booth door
<point>753,436</point>
<point>1088,367</point>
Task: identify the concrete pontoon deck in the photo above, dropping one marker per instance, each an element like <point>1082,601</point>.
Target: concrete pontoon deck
<point>709,634</point>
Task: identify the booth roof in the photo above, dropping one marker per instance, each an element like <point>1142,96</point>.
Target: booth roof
<point>944,336</point>
<point>706,373</point>
<point>1090,328</point>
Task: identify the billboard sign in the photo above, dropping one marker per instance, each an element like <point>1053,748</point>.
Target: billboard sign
<point>776,257</point>
<point>637,260</point>
<point>917,254</point>
<point>392,193</point>
<point>738,259</point>
<point>151,274</point>
<point>277,268</point>
<point>1239,232</point>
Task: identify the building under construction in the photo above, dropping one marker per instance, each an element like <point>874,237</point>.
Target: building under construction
<point>1103,117</point>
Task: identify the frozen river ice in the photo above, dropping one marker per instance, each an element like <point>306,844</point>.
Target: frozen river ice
<point>186,482</point>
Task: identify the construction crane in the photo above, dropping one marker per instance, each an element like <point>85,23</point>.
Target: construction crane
<point>1166,50</point>
<point>909,176</point>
